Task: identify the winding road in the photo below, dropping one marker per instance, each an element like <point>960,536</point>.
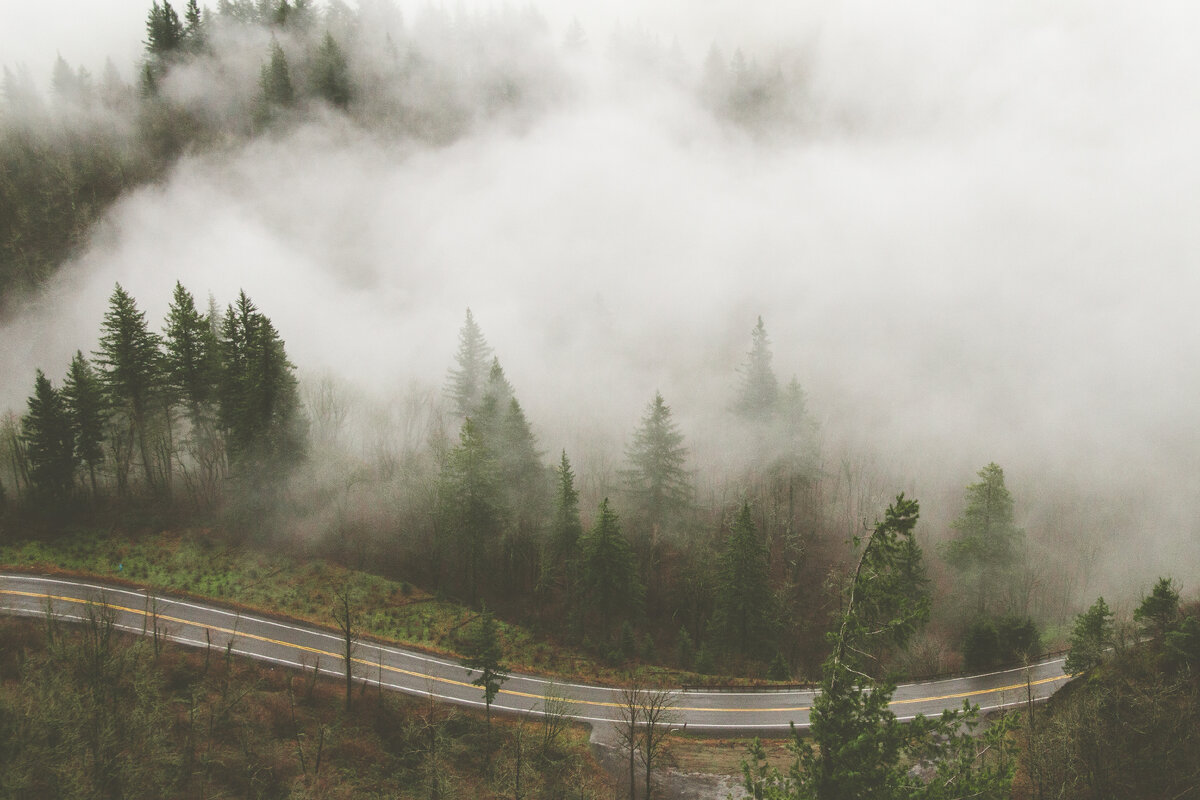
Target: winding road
<point>304,646</point>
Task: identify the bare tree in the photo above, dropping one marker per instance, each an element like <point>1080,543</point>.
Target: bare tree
<point>427,728</point>
<point>657,710</point>
<point>345,614</point>
<point>629,715</point>
<point>557,709</point>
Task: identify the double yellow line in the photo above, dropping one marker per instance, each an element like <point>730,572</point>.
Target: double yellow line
<point>510,692</point>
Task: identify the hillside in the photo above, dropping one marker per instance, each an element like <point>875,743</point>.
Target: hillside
<point>89,712</point>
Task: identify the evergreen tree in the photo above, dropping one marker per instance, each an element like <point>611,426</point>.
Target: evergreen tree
<point>1159,610</point>
<point>745,613</point>
<point>68,85</point>
<point>656,479</point>
<point>565,532</point>
<point>129,364</point>
<point>525,495</point>
<point>490,412</point>
<point>164,32</point>
<point>46,430</point>
<point>84,398</point>
<point>760,388</point>
<point>987,546</point>
<point>1093,634</point>
<point>331,75</point>
<point>472,509</point>
<point>275,82</point>
<point>195,39</point>
<point>191,361</point>
<point>302,15</point>
<point>466,383</point>
<point>859,749</point>
<point>607,570</point>
<point>281,13</point>
<point>259,401</point>
<point>485,654</point>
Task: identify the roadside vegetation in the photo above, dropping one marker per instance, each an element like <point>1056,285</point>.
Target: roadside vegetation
<point>202,565</point>
<point>86,711</point>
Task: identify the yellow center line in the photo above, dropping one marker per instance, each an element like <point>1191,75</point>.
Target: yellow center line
<point>511,692</point>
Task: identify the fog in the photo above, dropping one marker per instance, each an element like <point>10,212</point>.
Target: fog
<point>978,244</point>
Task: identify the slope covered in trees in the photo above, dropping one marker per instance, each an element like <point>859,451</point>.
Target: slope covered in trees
<point>93,712</point>
<point>67,158</point>
<point>209,411</point>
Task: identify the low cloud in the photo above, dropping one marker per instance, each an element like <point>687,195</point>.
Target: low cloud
<point>978,243</point>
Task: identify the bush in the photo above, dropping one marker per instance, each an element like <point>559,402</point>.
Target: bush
<point>1007,641</point>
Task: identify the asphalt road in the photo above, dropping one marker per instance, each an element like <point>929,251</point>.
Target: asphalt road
<point>304,646</point>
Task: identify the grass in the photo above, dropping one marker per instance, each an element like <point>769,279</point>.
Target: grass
<point>204,566</point>
<point>181,726</point>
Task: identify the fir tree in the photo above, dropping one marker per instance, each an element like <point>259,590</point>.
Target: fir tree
<point>164,32</point>
<point>607,569</point>
<point>858,748</point>
<point>1093,634</point>
<point>466,382</point>
<point>1159,610</point>
<point>485,654</point>
<point>472,510</point>
<point>195,39</point>
<point>987,546</point>
<point>330,74</point>
<point>657,481</point>
<point>129,365</point>
<point>565,532</point>
<point>745,613</point>
<point>84,398</point>
<point>191,361</point>
<point>46,430</point>
<point>275,84</point>
<point>760,388</point>
<point>259,401</point>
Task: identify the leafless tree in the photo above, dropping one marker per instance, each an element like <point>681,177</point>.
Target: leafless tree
<point>657,710</point>
<point>629,716</point>
<point>345,614</point>
<point>557,709</point>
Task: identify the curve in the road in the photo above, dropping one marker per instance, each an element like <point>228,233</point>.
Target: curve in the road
<point>303,646</point>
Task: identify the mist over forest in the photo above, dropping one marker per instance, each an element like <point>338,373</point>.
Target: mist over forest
<point>969,235</point>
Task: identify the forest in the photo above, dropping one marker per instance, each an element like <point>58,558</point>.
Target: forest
<point>723,543</point>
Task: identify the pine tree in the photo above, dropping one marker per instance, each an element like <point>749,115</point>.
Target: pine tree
<point>84,398</point>
<point>760,388</point>
<point>330,74</point>
<point>472,510</point>
<point>164,32</point>
<point>858,747</point>
<point>259,401</point>
<point>191,361</point>
<point>745,613</point>
<point>607,570</point>
<point>275,84</point>
<point>1159,610</point>
<point>485,654</point>
<point>282,13</point>
<point>562,561</point>
<point>129,365</point>
<point>987,547</point>
<point>46,430</point>
<point>657,482</point>
<point>1093,634</point>
<point>195,39</point>
<point>466,383</point>
<point>489,413</point>
<point>525,495</point>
